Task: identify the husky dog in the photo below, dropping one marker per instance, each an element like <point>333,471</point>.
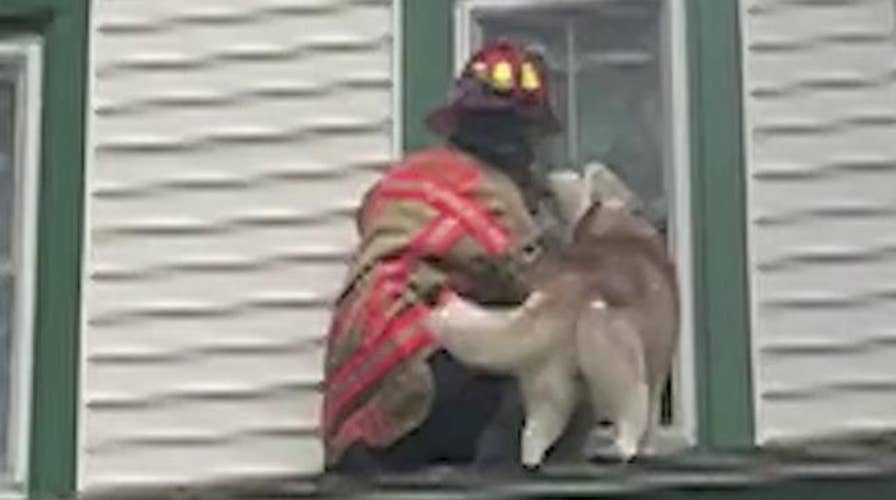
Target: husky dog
<point>603,309</point>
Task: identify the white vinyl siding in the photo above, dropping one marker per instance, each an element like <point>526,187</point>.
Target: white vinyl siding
<point>231,142</point>
<point>820,123</point>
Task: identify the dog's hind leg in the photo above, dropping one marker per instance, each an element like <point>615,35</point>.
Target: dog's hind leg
<point>648,443</point>
<point>633,421</point>
<point>611,357</point>
<point>549,394</point>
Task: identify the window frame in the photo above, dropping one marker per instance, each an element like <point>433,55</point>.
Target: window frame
<point>25,53</point>
<point>682,433</point>
<point>718,264</point>
<point>62,25</point>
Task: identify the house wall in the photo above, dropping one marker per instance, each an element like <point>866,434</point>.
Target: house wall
<point>229,144</point>
<point>820,130</point>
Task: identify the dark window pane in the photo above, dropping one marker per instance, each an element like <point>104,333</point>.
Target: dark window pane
<point>8,186</point>
<point>6,321</point>
<point>620,96</point>
<point>7,174</point>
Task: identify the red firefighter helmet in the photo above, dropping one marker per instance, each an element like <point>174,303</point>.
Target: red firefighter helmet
<point>500,76</point>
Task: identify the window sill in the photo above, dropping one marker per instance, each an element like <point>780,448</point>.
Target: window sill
<point>839,470</point>
<point>11,490</point>
<point>7,493</point>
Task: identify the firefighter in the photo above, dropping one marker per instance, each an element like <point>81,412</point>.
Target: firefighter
<point>453,218</point>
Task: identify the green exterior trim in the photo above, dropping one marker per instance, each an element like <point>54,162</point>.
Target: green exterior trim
<point>722,330</point>
<point>724,384</point>
<point>427,54</point>
<point>63,25</point>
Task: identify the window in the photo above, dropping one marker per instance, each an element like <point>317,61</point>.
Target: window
<point>618,84</point>
<point>19,128</point>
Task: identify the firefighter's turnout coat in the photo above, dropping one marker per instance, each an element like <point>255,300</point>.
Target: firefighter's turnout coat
<point>438,220</point>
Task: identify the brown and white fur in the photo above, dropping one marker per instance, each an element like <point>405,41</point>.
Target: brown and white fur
<point>603,309</point>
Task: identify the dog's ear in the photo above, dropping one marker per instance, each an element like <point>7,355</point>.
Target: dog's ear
<point>585,222</point>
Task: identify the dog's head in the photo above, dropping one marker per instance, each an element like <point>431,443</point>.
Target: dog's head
<point>605,236</point>
<point>611,219</point>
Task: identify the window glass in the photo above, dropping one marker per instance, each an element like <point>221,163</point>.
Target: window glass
<point>7,174</point>
<point>6,303</point>
<point>608,88</point>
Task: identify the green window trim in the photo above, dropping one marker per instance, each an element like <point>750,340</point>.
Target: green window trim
<point>722,342</point>
<point>427,52</point>
<point>718,188</point>
<point>63,25</point>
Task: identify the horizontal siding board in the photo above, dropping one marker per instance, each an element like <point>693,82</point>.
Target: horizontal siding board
<point>312,279</point>
<point>254,330</point>
<point>250,457</point>
<point>820,100</point>
<point>208,418</point>
<point>222,205</point>
<point>210,373</point>
<point>228,77</point>
<point>855,278</point>
<point>794,418</point>
<point>827,105</point>
<point>141,16</point>
<point>774,18</point>
<point>334,154</point>
<point>770,67</point>
<point>846,361</point>
<point>280,114</point>
<point>258,243</point>
<point>214,422</point>
<point>265,30</point>
<point>814,189</point>
<point>821,148</point>
<point>231,144</point>
<point>781,323</point>
<point>807,234</point>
